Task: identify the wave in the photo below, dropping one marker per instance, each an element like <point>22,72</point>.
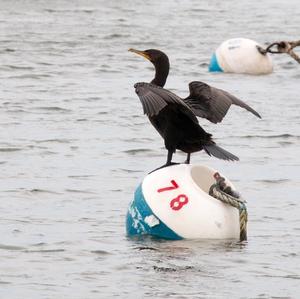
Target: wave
<point>285,136</point>
<point>54,108</point>
<point>137,151</point>
<point>11,247</point>
<point>10,149</point>
<point>275,181</point>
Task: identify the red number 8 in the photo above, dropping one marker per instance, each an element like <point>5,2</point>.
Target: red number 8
<point>178,202</point>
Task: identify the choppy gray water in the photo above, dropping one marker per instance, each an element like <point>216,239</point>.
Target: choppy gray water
<point>74,145</point>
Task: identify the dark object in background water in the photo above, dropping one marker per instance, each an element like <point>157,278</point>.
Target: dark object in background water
<point>175,118</point>
<point>282,47</point>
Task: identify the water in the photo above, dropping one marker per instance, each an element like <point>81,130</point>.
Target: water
<point>74,145</point>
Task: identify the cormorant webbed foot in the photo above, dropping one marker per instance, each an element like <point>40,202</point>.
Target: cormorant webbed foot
<point>165,165</point>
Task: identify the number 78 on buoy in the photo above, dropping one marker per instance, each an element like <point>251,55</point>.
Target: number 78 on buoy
<point>177,202</point>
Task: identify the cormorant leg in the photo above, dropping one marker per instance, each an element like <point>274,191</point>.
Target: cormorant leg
<point>168,163</point>
<point>169,158</point>
<point>188,158</point>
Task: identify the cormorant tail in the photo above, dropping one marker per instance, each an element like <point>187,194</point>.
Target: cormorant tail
<point>218,152</point>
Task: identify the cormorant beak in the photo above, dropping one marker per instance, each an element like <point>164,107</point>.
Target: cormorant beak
<point>141,53</point>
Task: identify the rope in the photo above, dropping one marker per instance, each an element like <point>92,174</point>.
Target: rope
<point>224,193</point>
<point>282,47</point>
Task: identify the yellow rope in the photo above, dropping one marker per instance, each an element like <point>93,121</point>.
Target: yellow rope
<point>217,192</point>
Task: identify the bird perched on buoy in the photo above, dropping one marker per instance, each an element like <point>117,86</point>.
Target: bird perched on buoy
<point>175,118</point>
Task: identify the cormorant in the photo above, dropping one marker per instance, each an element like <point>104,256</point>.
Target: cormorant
<point>175,118</point>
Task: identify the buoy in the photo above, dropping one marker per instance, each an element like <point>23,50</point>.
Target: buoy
<point>240,55</point>
<point>174,203</point>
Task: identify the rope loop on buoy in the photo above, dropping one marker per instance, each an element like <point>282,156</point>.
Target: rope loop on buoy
<point>224,193</point>
<point>282,47</point>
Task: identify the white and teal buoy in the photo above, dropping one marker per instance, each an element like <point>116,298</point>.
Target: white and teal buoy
<point>174,203</point>
<point>240,55</point>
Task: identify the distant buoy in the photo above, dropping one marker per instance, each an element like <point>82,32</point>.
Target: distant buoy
<point>173,203</point>
<point>240,55</point>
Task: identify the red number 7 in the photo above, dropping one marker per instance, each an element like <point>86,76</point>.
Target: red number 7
<point>173,187</point>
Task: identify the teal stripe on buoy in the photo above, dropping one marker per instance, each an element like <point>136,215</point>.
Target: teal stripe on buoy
<point>214,65</point>
<point>141,220</point>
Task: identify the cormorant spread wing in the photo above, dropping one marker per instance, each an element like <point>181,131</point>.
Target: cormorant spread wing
<point>154,98</point>
<point>212,103</point>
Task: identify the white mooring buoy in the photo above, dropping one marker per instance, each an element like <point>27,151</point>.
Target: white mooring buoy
<point>174,203</point>
<point>240,55</point>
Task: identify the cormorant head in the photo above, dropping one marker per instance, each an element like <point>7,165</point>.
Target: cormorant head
<point>153,55</point>
<point>160,61</point>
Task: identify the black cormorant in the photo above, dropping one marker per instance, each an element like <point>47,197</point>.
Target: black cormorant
<point>175,118</point>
